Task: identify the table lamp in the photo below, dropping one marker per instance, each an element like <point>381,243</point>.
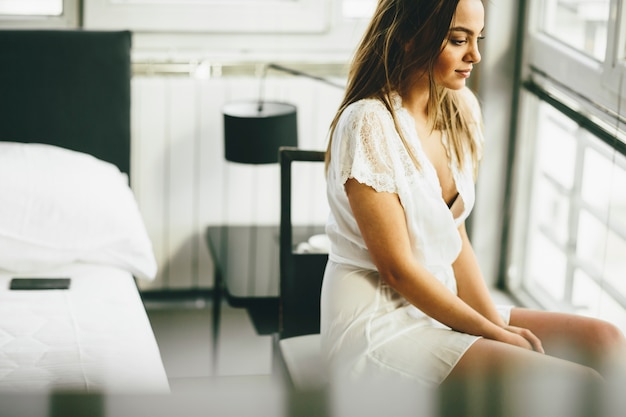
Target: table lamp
<point>253,131</point>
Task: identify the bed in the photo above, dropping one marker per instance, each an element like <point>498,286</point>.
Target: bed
<point>67,211</point>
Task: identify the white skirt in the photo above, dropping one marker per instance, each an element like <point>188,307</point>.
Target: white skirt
<point>368,330</point>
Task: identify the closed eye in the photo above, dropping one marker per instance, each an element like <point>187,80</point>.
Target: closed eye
<point>458,41</point>
<point>465,35</point>
<point>461,42</point>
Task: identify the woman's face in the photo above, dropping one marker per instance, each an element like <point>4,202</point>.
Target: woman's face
<point>460,53</point>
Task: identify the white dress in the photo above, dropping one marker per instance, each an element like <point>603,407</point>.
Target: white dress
<point>368,329</point>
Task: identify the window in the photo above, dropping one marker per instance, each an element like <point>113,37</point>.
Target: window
<point>39,13</point>
<point>579,46</point>
<point>234,16</point>
<point>567,237</point>
<point>358,9</point>
<point>31,7</point>
<point>582,25</point>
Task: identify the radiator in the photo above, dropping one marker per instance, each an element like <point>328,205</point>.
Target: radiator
<point>183,183</point>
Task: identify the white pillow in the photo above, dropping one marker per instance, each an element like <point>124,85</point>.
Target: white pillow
<point>59,206</point>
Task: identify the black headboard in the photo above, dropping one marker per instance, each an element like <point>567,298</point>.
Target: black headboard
<point>69,88</point>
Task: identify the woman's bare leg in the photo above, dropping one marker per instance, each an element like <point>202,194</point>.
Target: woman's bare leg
<point>567,378</point>
<point>572,344</point>
<point>489,358</point>
<point>587,341</point>
<point>494,378</point>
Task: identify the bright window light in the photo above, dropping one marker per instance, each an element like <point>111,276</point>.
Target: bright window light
<point>358,9</point>
<point>31,7</point>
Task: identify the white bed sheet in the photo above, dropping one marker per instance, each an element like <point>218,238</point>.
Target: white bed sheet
<point>94,337</point>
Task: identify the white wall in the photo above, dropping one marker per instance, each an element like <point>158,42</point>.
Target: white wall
<point>183,183</point>
<point>180,176</point>
<point>495,91</point>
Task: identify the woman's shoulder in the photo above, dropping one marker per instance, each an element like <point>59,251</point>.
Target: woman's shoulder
<point>366,109</point>
<point>371,104</point>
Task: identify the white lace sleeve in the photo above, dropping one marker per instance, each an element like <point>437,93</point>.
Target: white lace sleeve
<point>365,137</point>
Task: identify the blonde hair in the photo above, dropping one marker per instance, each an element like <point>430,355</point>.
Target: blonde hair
<point>385,64</point>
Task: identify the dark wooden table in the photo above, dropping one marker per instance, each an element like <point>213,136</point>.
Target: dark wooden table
<point>243,256</point>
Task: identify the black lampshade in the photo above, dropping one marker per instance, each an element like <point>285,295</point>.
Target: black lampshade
<point>254,131</point>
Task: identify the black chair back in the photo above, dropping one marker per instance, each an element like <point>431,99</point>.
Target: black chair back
<point>300,273</point>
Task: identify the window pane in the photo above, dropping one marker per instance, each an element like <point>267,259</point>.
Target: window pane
<point>545,267</point>
<point>359,9</point>
<point>552,211</point>
<point>582,24</point>
<point>591,241</point>
<point>209,17</point>
<point>587,295</point>
<point>603,184</point>
<point>618,194</point>
<point>615,263</point>
<point>596,182</point>
<point>556,147</point>
<point>31,7</point>
<point>576,225</point>
<point>591,300</point>
<point>209,2</point>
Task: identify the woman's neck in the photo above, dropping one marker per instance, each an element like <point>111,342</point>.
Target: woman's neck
<point>417,106</point>
<point>415,100</point>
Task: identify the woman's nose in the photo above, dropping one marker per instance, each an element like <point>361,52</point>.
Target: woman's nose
<point>473,55</point>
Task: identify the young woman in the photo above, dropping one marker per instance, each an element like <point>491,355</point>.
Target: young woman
<point>403,294</point>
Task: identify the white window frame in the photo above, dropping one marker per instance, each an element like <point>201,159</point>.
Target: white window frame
<point>592,93</point>
<point>209,16</point>
<point>615,67</point>
<point>603,83</point>
<point>521,226</point>
<point>69,19</point>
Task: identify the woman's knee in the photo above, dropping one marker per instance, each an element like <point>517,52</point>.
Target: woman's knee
<point>557,329</point>
<point>606,337</point>
<point>591,375</point>
<point>489,359</point>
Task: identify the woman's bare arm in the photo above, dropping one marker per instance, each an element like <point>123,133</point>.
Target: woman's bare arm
<point>470,283</point>
<point>381,220</point>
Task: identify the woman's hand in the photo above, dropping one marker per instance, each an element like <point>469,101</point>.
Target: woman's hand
<point>523,338</point>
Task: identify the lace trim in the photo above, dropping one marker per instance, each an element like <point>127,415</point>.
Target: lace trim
<point>375,151</point>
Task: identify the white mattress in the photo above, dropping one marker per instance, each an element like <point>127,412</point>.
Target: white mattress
<point>94,337</point>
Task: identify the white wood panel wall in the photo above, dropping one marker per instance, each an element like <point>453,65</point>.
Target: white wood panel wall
<point>183,183</point>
